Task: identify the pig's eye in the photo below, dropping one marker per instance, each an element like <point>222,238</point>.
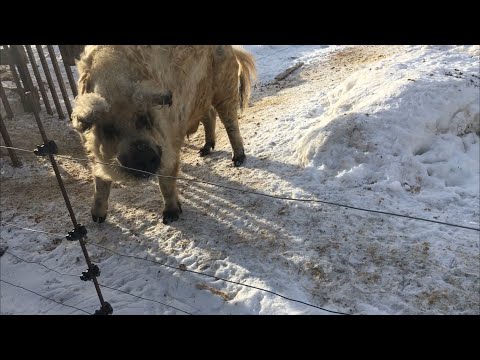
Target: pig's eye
<point>83,126</point>
<point>109,131</point>
<point>143,122</point>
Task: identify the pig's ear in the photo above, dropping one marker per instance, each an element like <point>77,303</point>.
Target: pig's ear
<point>150,94</point>
<point>85,85</point>
<point>88,108</point>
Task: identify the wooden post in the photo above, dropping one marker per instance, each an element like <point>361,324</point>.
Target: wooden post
<point>66,64</point>
<point>19,57</point>
<point>39,79</point>
<point>16,79</point>
<point>8,142</point>
<point>56,68</point>
<point>71,53</point>
<point>4,55</point>
<point>6,105</point>
<point>287,72</point>
<point>51,85</point>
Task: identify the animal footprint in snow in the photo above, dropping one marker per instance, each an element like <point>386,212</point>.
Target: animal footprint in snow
<point>315,111</point>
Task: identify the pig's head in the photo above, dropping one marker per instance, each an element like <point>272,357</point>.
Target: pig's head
<point>117,123</point>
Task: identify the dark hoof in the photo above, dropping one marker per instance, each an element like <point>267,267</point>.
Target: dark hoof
<point>99,219</point>
<point>171,216</point>
<point>206,149</point>
<point>239,160</point>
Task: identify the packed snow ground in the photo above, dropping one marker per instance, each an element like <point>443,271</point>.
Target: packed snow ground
<point>380,127</point>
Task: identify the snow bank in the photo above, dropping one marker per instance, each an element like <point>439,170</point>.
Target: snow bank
<point>273,59</point>
<point>406,123</point>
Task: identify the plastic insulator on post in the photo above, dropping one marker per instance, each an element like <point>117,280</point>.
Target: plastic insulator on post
<point>90,273</point>
<point>77,233</point>
<point>106,309</point>
<point>46,149</point>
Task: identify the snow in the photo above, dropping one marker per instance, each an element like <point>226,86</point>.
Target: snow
<point>401,123</point>
<point>389,128</point>
<point>273,59</point>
